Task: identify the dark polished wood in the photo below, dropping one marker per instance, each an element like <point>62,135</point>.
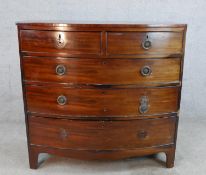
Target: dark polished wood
<point>130,43</point>
<point>102,154</point>
<point>100,102</point>
<point>101,135</point>
<point>87,26</point>
<point>101,91</point>
<point>89,39</point>
<point>101,71</point>
<point>73,42</point>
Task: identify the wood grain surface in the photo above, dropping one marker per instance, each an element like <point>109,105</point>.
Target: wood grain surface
<point>47,41</point>
<point>130,43</point>
<point>103,88</point>
<point>101,71</point>
<point>100,102</point>
<point>76,134</point>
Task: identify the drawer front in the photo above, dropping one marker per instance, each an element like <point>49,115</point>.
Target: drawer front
<point>144,43</point>
<point>77,134</point>
<point>101,102</point>
<point>55,42</point>
<point>101,71</point>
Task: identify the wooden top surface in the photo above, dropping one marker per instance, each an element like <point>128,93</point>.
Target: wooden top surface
<point>96,24</point>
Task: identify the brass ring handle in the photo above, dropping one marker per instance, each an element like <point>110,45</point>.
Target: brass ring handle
<point>144,104</point>
<point>146,44</point>
<point>60,69</point>
<point>61,100</point>
<point>146,71</point>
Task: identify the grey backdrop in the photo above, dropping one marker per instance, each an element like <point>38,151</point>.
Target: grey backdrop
<point>138,11</point>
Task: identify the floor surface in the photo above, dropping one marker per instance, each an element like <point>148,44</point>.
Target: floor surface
<point>190,156</point>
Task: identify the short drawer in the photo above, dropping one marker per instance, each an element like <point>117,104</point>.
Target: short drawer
<point>101,102</point>
<point>60,43</point>
<point>101,71</point>
<point>144,43</point>
<point>105,135</point>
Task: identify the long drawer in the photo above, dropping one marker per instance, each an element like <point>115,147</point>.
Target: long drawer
<point>101,102</point>
<point>104,135</point>
<point>101,71</point>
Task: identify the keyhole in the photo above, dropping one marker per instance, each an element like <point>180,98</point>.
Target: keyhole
<point>60,39</point>
<point>105,109</point>
<point>63,133</point>
<point>104,62</point>
<point>142,134</point>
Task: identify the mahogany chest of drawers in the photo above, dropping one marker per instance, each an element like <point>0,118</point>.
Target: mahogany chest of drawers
<point>101,91</point>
